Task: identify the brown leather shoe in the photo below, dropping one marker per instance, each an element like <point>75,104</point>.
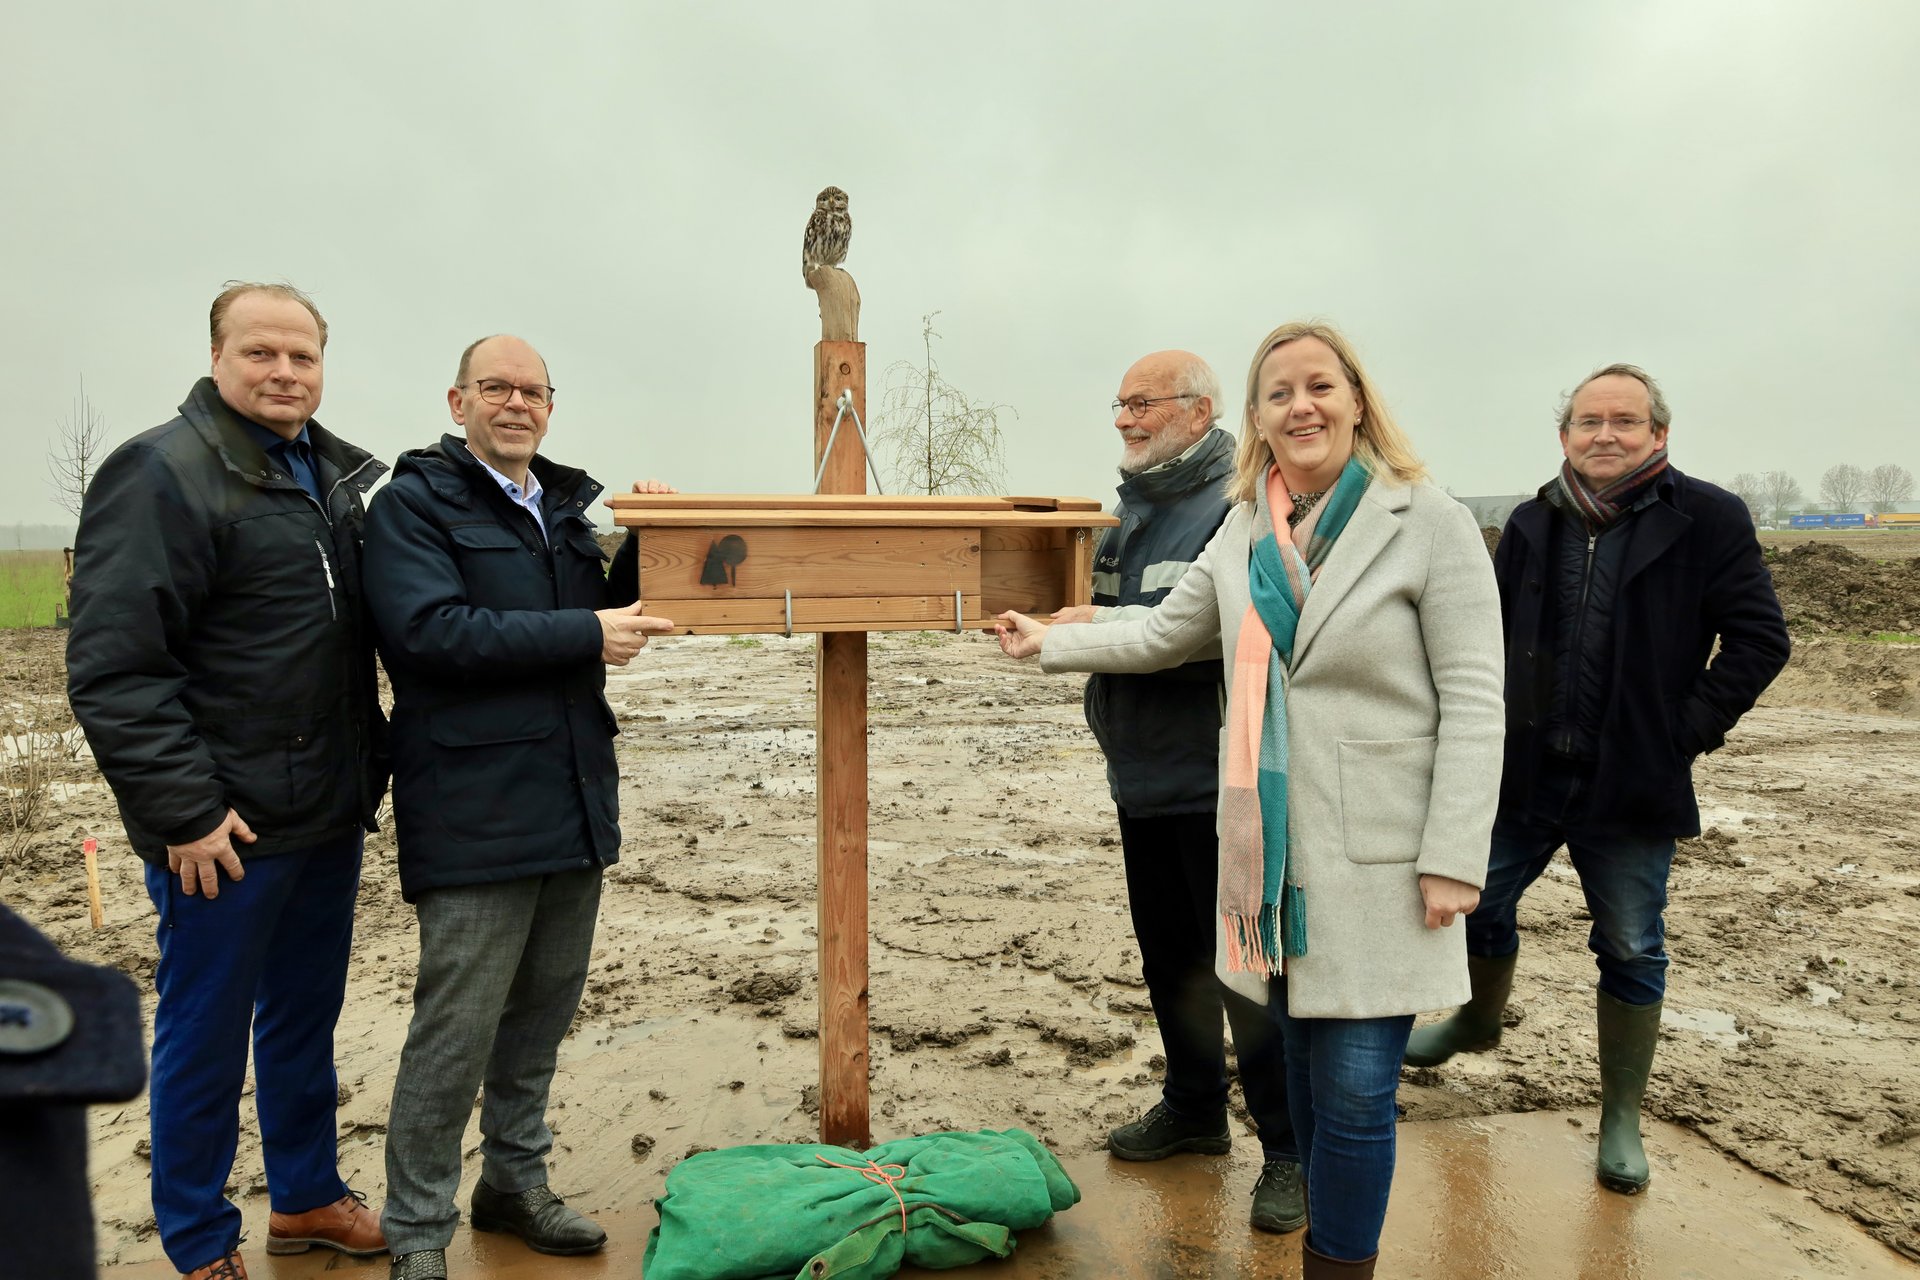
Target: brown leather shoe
<point>228,1268</point>
<point>346,1224</point>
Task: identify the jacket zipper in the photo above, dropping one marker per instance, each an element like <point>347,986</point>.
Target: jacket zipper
<point>1573,654</point>
<point>326,569</point>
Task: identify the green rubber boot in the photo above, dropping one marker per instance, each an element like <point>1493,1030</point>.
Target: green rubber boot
<point>1475,1026</point>
<point>1628,1034</point>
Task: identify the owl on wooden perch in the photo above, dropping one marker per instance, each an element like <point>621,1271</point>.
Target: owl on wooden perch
<point>829,230</point>
<point>822,249</point>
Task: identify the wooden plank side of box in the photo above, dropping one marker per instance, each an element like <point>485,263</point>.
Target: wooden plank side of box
<point>649,502</point>
<point>719,562</point>
<point>1031,569</point>
<point>868,613</point>
<point>828,518</point>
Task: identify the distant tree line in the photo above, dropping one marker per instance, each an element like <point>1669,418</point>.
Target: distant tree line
<point>1773,496</point>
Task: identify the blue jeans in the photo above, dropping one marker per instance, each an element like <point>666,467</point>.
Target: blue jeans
<point>1342,1076</point>
<point>266,957</point>
<point>1624,879</point>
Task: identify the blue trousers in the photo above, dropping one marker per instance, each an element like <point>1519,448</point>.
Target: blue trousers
<point>1342,1077</point>
<point>1172,865</point>
<point>1624,879</point>
<point>265,960</point>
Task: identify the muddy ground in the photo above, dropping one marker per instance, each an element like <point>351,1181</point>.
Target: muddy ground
<point>1005,986</point>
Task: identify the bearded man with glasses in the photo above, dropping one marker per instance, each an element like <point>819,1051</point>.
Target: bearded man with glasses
<point>496,620</point>
<point>1616,582</point>
<point>1161,736</point>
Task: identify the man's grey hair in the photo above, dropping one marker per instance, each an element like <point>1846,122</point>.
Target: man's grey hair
<point>1656,399</point>
<point>1195,377</point>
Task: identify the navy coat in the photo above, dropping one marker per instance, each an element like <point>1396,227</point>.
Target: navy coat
<point>1690,573</point>
<point>502,736</point>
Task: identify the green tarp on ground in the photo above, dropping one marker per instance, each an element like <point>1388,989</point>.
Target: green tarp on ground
<point>807,1212</point>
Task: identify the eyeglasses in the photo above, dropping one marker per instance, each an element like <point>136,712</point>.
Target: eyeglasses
<point>1138,404</point>
<point>493,391</point>
<point>1590,425</point>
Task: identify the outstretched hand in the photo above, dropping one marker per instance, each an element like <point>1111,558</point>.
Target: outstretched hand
<point>624,632</point>
<point>1019,635</point>
<point>1445,899</point>
<point>653,486</point>
<point>1073,613</point>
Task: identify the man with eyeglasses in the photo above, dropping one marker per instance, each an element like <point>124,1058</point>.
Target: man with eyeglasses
<point>222,668</point>
<point>1161,736</point>
<point>496,621</point>
<point>1616,582</point>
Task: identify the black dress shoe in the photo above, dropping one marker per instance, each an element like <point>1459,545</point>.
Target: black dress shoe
<point>538,1217</point>
<point>421,1264</point>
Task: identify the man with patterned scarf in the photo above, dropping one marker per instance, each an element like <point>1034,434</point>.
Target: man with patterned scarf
<point>1616,581</point>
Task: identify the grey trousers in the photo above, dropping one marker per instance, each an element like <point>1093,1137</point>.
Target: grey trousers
<point>501,971</point>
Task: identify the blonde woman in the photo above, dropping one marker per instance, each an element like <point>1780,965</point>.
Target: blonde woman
<point>1360,761</point>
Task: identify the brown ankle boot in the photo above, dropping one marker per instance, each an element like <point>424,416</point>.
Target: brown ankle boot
<point>1318,1266</point>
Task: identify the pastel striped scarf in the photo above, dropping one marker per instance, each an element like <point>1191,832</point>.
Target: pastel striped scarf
<point>1262,908</point>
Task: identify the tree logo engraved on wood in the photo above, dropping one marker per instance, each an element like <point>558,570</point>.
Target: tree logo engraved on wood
<point>723,558</point>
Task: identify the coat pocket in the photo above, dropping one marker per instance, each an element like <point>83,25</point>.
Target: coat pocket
<point>498,770</point>
<point>1385,787</point>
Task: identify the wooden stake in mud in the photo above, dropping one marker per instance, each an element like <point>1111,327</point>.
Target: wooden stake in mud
<point>89,853</point>
<point>840,743</point>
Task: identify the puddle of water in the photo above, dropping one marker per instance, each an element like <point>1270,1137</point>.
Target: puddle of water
<point>1498,1198</point>
<point>1710,1024</point>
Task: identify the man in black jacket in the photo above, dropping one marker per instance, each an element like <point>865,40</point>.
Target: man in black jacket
<point>1161,737</point>
<point>495,621</point>
<point>221,669</point>
<point>1615,584</point>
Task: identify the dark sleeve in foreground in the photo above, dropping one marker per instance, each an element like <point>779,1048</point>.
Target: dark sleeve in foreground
<point>143,565</point>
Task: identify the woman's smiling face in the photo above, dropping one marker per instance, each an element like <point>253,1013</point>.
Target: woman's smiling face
<point>1306,410</point>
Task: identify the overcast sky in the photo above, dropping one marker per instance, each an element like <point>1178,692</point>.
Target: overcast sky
<point>1491,199</point>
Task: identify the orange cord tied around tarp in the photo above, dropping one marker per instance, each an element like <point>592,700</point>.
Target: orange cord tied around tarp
<point>879,1175</point>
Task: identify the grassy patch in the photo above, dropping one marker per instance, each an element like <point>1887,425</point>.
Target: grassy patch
<point>1893,637</point>
<point>30,587</point>
<point>743,642</point>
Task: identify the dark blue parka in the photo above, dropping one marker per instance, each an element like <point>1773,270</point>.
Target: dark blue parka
<point>219,656</point>
<point>502,737</point>
<point>1161,731</point>
<point>1689,571</point>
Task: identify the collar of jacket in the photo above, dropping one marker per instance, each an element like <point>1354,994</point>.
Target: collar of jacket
<point>1372,526</point>
<point>215,422</point>
<point>1211,461</point>
<point>1532,520</point>
<point>454,474</point>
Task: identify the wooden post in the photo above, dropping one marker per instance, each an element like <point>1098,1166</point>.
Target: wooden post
<point>90,855</point>
<point>840,744</point>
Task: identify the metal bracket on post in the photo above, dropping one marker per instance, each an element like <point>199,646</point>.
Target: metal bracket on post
<point>845,406</point>
<point>958,617</point>
<point>788,633</point>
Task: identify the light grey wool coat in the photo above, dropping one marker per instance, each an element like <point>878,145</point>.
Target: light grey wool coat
<point>1395,727</point>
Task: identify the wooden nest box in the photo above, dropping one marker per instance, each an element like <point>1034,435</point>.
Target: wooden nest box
<point>790,563</point>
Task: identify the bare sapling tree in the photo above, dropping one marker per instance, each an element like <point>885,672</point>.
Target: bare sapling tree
<point>1747,487</point>
<point>76,453</point>
<point>1781,493</point>
<point>1843,487</point>
<point>933,438</point>
<point>1888,485</point>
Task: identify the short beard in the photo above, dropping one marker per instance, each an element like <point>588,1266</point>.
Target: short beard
<point>1160,448</point>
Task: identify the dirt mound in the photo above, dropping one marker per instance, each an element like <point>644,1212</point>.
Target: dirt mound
<point>1827,589</point>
